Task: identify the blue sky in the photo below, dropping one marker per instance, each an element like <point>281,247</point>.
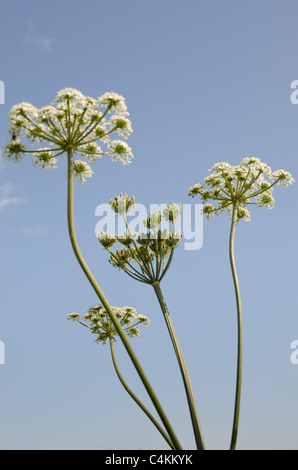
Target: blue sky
<point>204,82</point>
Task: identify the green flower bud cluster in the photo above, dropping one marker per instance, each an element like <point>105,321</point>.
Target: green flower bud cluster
<point>122,204</point>
<point>145,257</point>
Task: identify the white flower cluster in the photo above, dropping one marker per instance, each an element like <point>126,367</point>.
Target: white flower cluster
<point>101,325</point>
<point>137,256</point>
<point>82,171</point>
<point>73,121</point>
<point>172,212</point>
<point>230,186</point>
<point>45,158</point>
<point>153,220</point>
<point>122,204</point>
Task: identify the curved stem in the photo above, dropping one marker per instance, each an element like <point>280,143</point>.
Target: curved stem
<point>135,398</point>
<point>183,369</point>
<point>240,333</point>
<point>108,307</point>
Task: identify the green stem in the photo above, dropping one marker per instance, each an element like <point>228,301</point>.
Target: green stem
<point>87,129</point>
<point>242,186</point>
<point>228,184</point>
<point>245,189</point>
<point>108,307</point>
<point>104,135</point>
<point>55,128</point>
<point>135,398</point>
<point>261,191</point>
<point>131,272</point>
<point>77,129</point>
<point>183,369</point>
<point>166,267</point>
<point>144,266</point>
<point>240,333</point>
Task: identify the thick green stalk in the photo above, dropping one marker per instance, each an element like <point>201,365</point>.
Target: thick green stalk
<point>183,369</point>
<point>135,398</point>
<point>108,307</point>
<point>240,333</point>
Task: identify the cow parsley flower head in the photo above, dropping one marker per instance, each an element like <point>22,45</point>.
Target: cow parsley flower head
<point>113,101</point>
<point>19,114</point>
<point>73,316</point>
<point>145,257</point>
<point>100,324</point>
<point>228,187</point>
<point>73,122</point>
<point>172,212</point>
<point>45,159</point>
<point>119,150</point>
<point>82,171</point>
<point>106,240</point>
<point>153,220</point>
<point>122,124</point>
<point>122,204</point>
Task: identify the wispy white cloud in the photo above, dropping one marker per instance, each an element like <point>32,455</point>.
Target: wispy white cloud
<point>7,200</point>
<point>7,188</point>
<point>6,203</point>
<point>35,231</point>
<point>34,37</point>
<point>45,44</point>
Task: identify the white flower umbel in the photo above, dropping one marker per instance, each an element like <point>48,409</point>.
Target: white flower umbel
<point>45,159</point>
<point>81,170</point>
<point>106,239</point>
<point>233,189</point>
<point>99,322</point>
<point>122,204</point>
<point>172,212</point>
<point>73,316</point>
<point>147,257</point>
<point>119,150</point>
<point>153,220</point>
<point>73,122</point>
<point>228,186</point>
